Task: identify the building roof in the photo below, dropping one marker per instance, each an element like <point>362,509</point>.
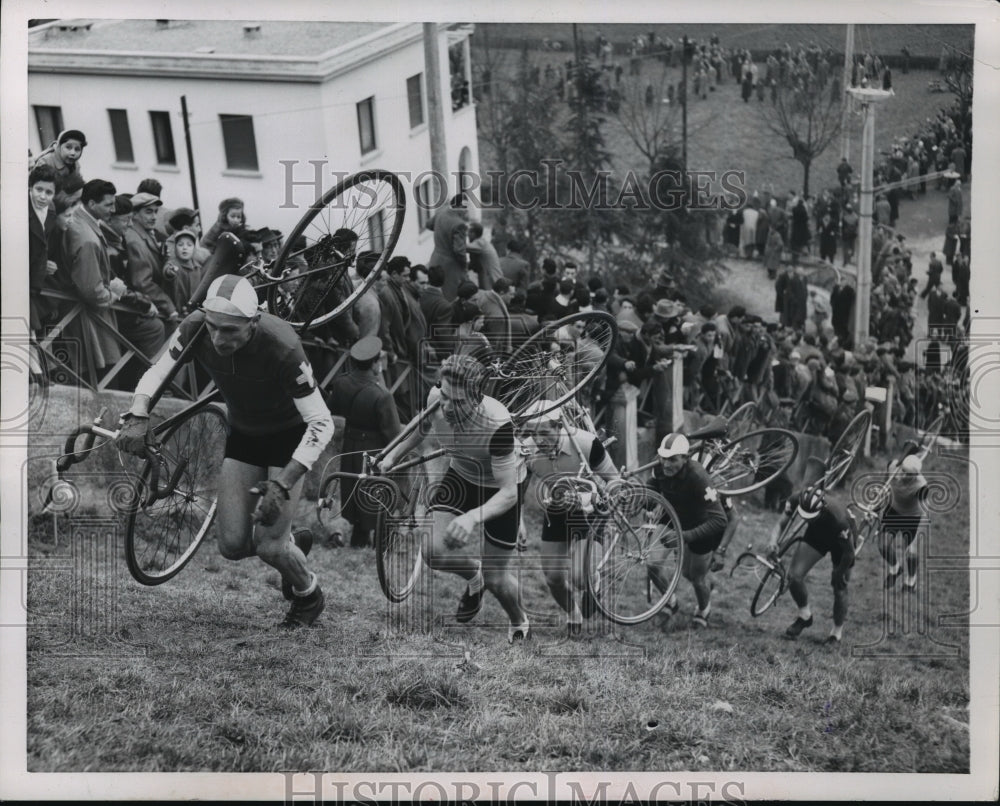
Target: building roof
<point>276,38</point>
<point>298,51</point>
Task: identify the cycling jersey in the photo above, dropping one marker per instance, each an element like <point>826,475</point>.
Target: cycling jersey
<point>567,459</point>
<point>696,502</point>
<point>267,384</point>
<point>482,445</point>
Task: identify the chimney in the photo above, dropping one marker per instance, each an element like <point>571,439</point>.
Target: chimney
<point>251,30</point>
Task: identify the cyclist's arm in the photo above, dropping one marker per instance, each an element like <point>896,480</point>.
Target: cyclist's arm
<point>504,463</point>
<point>319,431</point>
<point>415,438</point>
<point>154,377</point>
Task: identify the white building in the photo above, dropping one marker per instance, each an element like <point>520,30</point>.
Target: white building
<point>277,111</point>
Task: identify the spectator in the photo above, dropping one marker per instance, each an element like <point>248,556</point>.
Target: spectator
<point>145,257</point>
<point>232,218</point>
<point>828,238</point>
<point>438,312</point>
<point>41,222</point>
<point>935,269</point>
<point>794,300</point>
<point>772,252</point>
<point>849,232</point>
<point>514,266</point>
<point>564,303</point>
<point>451,244</point>
<point>370,423</point>
<point>496,320</point>
<point>89,269</point>
<point>402,331</point>
<point>154,188</point>
<point>955,201</point>
<point>63,156</point>
<point>523,325</point>
<point>483,258</point>
<point>181,274</point>
<point>844,171</point>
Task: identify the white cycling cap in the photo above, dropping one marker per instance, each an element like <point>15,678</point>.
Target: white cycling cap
<point>233,295</point>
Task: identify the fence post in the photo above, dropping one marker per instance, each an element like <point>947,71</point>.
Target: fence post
<point>887,414</point>
<point>623,417</point>
<point>677,393</point>
<point>867,448</point>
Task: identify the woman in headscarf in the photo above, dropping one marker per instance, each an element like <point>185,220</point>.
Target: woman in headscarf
<point>232,218</point>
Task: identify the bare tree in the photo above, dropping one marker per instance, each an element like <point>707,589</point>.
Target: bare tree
<point>649,113</point>
<point>958,78</point>
<point>806,113</point>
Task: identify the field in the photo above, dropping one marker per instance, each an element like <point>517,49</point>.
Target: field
<point>725,134</point>
<point>193,676</point>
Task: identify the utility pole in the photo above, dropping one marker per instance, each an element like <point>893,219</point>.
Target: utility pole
<point>435,110</point>
<point>862,311</point>
<point>190,152</point>
<point>684,102</point>
<point>848,72</point>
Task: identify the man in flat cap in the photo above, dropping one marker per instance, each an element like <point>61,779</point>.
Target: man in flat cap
<point>145,257</point>
<point>370,423</point>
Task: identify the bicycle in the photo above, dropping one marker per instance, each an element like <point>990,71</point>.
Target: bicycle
<point>166,525</point>
<point>540,369</point>
<point>633,553</point>
<point>740,465</point>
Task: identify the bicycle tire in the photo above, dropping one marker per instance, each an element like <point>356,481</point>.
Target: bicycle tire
<point>356,203</point>
<point>742,421</point>
<point>633,559</point>
<point>162,536</point>
<point>845,449</point>
<point>753,460</point>
<point>535,372</point>
<point>772,585</point>
<point>399,551</point>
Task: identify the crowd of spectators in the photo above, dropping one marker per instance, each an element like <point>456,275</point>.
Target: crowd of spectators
<point>128,258</point>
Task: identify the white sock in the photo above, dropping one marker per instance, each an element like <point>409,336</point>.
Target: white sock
<point>477,582</point>
<point>704,613</point>
<point>837,631</point>
<point>574,616</point>
<point>312,586</point>
<point>513,628</point>
<point>894,569</point>
<point>911,581</point>
<point>805,613</point>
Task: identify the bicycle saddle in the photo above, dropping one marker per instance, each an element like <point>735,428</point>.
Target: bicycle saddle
<point>712,430</point>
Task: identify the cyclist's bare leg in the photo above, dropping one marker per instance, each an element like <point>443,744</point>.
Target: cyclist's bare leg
<point>440,557</point>
<point>803,561</point>
<point>239,537</point>
<point>695,568</point>
<point>501,582</point>
<point>555,567</point>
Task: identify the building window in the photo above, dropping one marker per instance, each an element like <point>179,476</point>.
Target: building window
<point>50,123</point>
<point>163,138</point>
<point>241,146</point>
<point>121,135</point>
<point>415,94</point>
<point>376,231</point>
<point>423,195</point>
<point>458,68</point>
<point>366,124</point>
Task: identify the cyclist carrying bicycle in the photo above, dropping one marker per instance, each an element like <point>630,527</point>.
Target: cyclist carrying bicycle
<point>905,516</point>
<point>482,489</point>
<point>688,488</point>
<point>278,426</point>
<point>558,452</point>
<point>828,531</point>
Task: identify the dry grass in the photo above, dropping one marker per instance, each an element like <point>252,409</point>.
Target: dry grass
<point>197,677</point>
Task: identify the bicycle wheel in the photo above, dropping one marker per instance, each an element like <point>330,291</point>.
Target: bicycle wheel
<point>399,541</point>
<point>633,562</point>
<point>845,449</point>
<point>774,580</point>
<point>315,259</point>
<point>162,536</point>
<point>742,421</point>
<point>751,461</point>
<point>556,363</point>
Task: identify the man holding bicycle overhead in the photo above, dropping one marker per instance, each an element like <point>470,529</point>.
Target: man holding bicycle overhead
<point>559,452</point>
<point>828,531</point>
<point>688,488</point>
<point>278,426</point>
<point>482,488</point>
<point>905,516</point>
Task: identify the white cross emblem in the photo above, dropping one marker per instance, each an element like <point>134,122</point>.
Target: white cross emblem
<point>307,375</point>
<point>711,494</point>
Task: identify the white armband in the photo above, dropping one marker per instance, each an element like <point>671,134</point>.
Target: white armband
<point>319,428</point>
